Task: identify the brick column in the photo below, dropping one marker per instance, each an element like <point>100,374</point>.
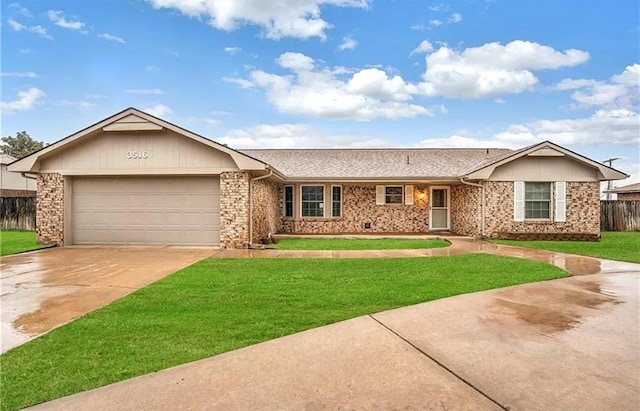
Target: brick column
<point>50,209</point>
<point>234,209</point>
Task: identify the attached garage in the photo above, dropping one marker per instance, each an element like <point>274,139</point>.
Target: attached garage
<point>168,210</point>
<point>135,179</point>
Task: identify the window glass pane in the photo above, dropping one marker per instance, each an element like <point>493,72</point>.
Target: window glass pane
<point>393,194</point>
<point>336,201</point>
<point>312,201</point>
<point>537,200</point>
<point>439,198</point>
<point>288,201</point>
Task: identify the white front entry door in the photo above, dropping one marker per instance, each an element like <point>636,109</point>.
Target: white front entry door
<point>439,214</point>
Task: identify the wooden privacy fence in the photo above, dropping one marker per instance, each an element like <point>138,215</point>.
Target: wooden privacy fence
<point>18,213</point>
<point>620,215</point>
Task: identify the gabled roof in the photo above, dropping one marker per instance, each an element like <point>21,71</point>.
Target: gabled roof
<point>387,163</point>
<point>631,188</point>
<point>545,148</point>
<point>6,159</point>
<point>133,119</point>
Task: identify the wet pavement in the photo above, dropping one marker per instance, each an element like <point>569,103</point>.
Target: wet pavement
<point>563,344</point>
<point>44,289</point>
<point>570,343</point>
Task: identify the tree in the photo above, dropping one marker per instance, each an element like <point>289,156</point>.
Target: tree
<point>20,145</point>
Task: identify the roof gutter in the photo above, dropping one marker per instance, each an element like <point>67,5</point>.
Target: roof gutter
<point>482,201</point>
<point>251,202</point>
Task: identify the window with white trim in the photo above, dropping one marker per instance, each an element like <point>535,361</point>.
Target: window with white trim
<point>336,201</point>
<point>537,201</point>
<point>288,201</point>
<point>393,194</point>
<point>312,201</point>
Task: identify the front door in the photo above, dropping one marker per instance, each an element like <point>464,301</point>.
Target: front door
<point>439,216</point>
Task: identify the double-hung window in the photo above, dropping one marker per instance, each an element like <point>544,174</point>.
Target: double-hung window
<point>537,201</point>
<point>312,201</point>
<point>288,201</point>
<point>393,194</point>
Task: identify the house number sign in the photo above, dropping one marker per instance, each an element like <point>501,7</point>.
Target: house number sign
<point>137,154</point>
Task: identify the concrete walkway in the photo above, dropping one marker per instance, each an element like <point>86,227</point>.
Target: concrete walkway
<point>564,344</point>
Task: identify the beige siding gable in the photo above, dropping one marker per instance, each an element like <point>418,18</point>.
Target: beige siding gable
<point>134,152</point>
<point>544,168</point>
<point>131,123</point>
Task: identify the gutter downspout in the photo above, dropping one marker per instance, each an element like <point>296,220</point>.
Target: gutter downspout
<point>482,223</point>
<point>251,203</point>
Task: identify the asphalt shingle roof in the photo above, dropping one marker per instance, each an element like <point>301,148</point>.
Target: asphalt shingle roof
<point>631,188</point>
<point>377,163</point>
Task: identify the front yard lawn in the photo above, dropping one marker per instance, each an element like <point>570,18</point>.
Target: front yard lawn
<point>622,246</point>
<point>359,243</point>
<point>12,242</point>
<point>218,305</point>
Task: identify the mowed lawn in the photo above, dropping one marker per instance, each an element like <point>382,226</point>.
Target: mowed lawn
<point>622,246</point>
<point>12,242</point>
<point>359,243</point>
<point>218,305</point>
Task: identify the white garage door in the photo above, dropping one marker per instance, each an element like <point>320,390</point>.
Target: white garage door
<point>146,210</point>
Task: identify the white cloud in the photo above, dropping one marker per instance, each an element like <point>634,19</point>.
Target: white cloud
<point>232,50</point>
<point>159,110</point>
<point>26,100</point>
<point>39,30</point>
<point>278,19</point>
<point>244,83</point>
<point>16,25</point>
<point>439,7</point>
<point>152,91</point>
<point>320,91</point>
<point>435,22</point>
<point>25,51</point>
<point>20,10</point>
<point>499,100</point>
<point>58,19</point>
<point>295,136</point>
<point>348,43</point>
<point>20,74</point>
<point>70,103</point>
<point>110,37</point>
<point>621,91</point>
<point>455,18</point>
<point>492,68</point>
<point>424,47</point>
<point>152,68</point>
<point>220,113</point>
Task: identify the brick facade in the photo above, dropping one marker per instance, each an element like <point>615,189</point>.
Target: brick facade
<point>359,207</point>
<point>466,210</point>
<point>267,210</point>
<point>583,212</point>
<point>234,209</point>
<point>50,209</point>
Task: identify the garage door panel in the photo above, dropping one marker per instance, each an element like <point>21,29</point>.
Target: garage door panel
<point>140,210</point>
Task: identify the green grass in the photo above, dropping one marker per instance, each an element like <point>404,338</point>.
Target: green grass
<point>218,305</point>
<point>12,242</point>
<point>358,243</point>
<point>622,246</point>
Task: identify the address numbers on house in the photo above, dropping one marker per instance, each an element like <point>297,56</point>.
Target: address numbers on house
<point>137,154</point>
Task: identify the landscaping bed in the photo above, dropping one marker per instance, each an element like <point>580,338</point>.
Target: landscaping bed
<point>358,243</point>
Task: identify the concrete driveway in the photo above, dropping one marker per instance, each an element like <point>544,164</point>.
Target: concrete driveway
<point>567,344</point>
<point>45,289</point>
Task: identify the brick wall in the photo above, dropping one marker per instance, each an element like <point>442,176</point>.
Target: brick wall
<point>234,209</point>
<point>466,210</point>
<point>267,214</point>
<point>583,212</point>
<point>359,207</point>
<point>50,209</point>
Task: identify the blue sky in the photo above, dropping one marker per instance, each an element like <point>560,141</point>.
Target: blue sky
<point>333,73</point>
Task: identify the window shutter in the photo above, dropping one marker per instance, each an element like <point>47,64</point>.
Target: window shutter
<point>408,195</point>
<point>380,195</point>
<point>561,201</point>
<point>518,201</point>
